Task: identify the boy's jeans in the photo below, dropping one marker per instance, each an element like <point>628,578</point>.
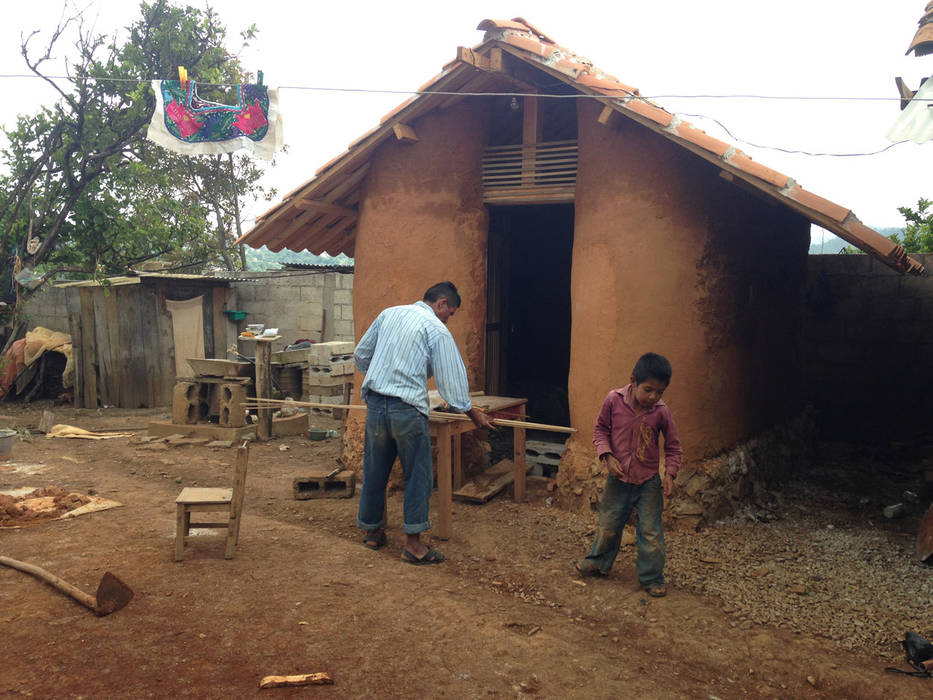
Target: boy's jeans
<point>614,510</point>
<point>395,428</point>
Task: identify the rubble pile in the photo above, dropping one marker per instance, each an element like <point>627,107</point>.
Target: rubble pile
<point>822,559</point>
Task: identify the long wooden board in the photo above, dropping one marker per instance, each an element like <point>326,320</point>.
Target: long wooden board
<point>488,484</point>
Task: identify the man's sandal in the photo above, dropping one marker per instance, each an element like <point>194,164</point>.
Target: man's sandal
<point>432,556</point>
<point>656,591</point>
<point>375,539</point>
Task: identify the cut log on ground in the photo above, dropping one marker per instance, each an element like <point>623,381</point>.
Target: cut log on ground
<point>292,681</point>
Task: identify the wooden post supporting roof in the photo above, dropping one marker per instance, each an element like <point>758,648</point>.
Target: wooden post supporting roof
<point>531,134</point>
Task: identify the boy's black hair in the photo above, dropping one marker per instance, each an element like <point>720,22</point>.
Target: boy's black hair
<point>445,290</point>
<point>652,366</point>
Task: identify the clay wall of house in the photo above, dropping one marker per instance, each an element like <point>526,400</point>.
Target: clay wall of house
<point>422,221</point>
<point>670,257</point>
<point>868,343</point>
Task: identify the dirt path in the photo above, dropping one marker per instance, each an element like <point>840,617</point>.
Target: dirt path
<point>503,617</point>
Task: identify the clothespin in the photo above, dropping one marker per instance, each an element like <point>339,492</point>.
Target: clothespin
<point>259,77</point>
<point>183,76</point>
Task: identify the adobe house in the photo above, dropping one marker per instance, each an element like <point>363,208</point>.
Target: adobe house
<point>583,229</point>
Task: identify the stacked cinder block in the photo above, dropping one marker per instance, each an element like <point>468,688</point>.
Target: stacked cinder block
<point>544,456</point>
<point>232,411</point>
<point>330,369</point>
<point>190,403</point>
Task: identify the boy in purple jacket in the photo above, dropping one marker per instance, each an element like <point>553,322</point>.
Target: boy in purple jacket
<point>626,440</point>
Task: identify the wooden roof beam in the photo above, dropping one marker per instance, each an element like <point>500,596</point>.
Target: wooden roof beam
<point>305,218</point>
<point>326,207</point>
<point>610,117</point>
<point>318,241</point>
<point>404,133</point>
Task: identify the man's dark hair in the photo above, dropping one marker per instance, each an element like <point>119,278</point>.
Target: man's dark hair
<point>443,290</point>
<point>652,366</point>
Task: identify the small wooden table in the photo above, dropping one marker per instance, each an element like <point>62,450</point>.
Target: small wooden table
<point>447,432</point>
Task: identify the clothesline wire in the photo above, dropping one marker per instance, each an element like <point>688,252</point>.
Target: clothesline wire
<point>386,91</point>
<point>625,93</point>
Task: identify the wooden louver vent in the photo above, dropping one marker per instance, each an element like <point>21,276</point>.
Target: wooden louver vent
<point>541,172</point>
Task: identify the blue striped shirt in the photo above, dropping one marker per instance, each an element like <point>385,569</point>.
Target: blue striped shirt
<point>405,346</point>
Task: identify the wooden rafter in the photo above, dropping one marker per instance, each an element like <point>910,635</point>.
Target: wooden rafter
<point>328,207</point>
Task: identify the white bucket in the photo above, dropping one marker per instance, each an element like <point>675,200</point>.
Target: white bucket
<point>6,443</point>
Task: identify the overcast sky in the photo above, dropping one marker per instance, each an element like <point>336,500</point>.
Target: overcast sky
<point>795,48</point>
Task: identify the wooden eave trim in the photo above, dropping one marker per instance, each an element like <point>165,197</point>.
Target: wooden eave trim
<point>321,205</point>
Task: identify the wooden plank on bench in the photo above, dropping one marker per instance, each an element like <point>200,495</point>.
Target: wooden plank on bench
<point>488,484</point>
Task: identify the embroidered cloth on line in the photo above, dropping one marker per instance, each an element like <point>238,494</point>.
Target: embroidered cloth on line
<point>185,123</point>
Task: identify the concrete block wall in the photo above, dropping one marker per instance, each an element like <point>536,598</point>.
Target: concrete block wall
<point>300,303</point>
<point>48,308</point>
<point>868,348</point>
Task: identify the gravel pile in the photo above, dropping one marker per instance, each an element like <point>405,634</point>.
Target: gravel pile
<point>822,559</point>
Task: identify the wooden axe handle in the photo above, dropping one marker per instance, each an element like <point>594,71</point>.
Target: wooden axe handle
<point>62,585</point>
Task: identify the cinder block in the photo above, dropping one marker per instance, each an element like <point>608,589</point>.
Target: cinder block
<point>185,403</point>
<point>342,485</point>
<point>232,411</point>
<point>313,294</point>
<point>314,390</point>
<point>343,329</point>
<point>342,368</point>
<point>343,296</point>
<point>320,353</point>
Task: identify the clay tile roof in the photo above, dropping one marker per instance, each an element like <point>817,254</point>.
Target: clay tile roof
<point>337,182</point>
<point>922,43</point>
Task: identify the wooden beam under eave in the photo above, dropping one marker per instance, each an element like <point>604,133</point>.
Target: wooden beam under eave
<point>328,207</point>
<point>755,192</point>
<point>318,241</point>
<point>471,57</point>
<point>305,218</point>
<point>404,133</point>
<point>316,229</point>
<point>610,117</point>
<point>335,239</point>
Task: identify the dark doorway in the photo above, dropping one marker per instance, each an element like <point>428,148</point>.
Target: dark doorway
<point>528,307</point>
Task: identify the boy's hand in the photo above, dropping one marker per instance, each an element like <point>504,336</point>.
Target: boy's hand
<point>613,465</point>
<point>667,484</point>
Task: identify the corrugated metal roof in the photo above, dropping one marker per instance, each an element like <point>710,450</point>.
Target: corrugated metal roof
<point>915,122</point>
<point>125,280</point>
<point>320,216</point>
<point>922,43</point>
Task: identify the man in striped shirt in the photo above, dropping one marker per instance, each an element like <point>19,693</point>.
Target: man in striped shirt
<point>403,348</point>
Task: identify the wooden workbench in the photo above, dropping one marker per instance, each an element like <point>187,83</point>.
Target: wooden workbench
<point>447,432</point>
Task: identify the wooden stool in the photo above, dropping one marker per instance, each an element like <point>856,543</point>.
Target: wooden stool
<point>192,499</point>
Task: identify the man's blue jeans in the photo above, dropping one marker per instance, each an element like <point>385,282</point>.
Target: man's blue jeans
<point>616,506</point>
<point>395,429</point>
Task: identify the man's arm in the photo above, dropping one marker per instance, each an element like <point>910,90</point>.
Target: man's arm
<point>449,373</point>
<point>451,379</point>
<point>367,346</point>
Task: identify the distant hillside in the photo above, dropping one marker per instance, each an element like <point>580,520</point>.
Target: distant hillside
<point>833,244</point>
<point>264,259</point>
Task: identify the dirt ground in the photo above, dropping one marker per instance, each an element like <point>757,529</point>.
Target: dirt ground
<point>505,616</point>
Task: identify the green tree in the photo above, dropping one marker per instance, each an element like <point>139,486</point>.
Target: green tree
<point>918,229</point>
<point>83,191</point>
